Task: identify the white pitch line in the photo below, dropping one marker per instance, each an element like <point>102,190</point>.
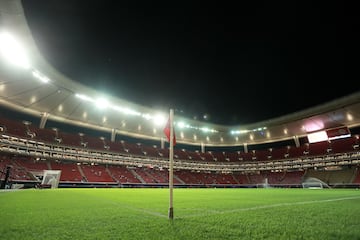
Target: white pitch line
<point>212,212</point>
<point>152,213</point>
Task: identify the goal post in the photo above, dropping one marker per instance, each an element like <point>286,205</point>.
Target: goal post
<point>314,183</point>
<point>51,178</point>
<point>265,184</point>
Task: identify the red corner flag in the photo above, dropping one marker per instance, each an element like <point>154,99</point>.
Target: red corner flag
<point>167,130</point>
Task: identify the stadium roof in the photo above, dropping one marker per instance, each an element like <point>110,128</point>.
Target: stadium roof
<point>37,88</point>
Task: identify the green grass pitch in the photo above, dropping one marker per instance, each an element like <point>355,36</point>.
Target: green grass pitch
<point>199,214</point>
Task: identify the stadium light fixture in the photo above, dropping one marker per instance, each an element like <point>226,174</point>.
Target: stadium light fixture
<point>205,129</point>
<point>126,110</point>
<point>159,120</point>
<point>181,124</point>
<point>84,97</point>
<point>40,76</point>
<point>146,116</point>
<point>235,132</point>
<point>102,103</point>
<point>13,51</point>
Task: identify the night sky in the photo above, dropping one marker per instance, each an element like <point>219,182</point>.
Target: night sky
<point>234,62</point>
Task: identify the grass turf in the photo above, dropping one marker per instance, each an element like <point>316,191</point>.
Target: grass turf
<point>199,214</point>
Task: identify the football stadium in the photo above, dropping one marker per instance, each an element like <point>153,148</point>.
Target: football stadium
<point>78,164</point>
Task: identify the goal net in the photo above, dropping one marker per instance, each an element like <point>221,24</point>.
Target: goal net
<point>314,183</point>
<point>51,178</point>
<point>265,184</point>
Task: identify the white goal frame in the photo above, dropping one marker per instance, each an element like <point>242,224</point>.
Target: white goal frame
<point>314,183</point>
<point>51,178</point>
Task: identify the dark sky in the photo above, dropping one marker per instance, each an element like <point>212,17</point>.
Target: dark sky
<point>235,62</point>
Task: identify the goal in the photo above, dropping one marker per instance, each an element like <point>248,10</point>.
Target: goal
<point>265,184</point>
<point>51,178</point>
<point>314,183</point>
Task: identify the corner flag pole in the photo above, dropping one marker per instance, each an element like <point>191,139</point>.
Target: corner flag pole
<point>171,166</point>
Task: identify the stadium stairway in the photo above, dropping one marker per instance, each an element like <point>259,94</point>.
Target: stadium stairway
<point>82,173</point>
<point>137,176</point>
<point>180,180</point>
<point>237,181</point>
<point>110,174</point>
<point>153,177</point>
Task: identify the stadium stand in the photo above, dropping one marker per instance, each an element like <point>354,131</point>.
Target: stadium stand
<point>69,171</point>
<point>46,153</point>
<point>123,175</point>
<point>96,173</point>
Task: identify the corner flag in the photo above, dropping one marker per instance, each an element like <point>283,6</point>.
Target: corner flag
<point>167,131</point>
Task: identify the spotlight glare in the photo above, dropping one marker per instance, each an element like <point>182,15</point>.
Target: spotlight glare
<point>12,51</point>
<point>159,120</point>
<point>102,103</point>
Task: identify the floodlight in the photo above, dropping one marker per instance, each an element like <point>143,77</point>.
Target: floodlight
<point>83,97</point>
<point>205,129</point>
<point>125,110</point>
<point>40,76</point>
<point>146,116</point>
<point>159,120</point>
<point>102,103</point>
<point>181,124</point>
<point>12,51</point>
